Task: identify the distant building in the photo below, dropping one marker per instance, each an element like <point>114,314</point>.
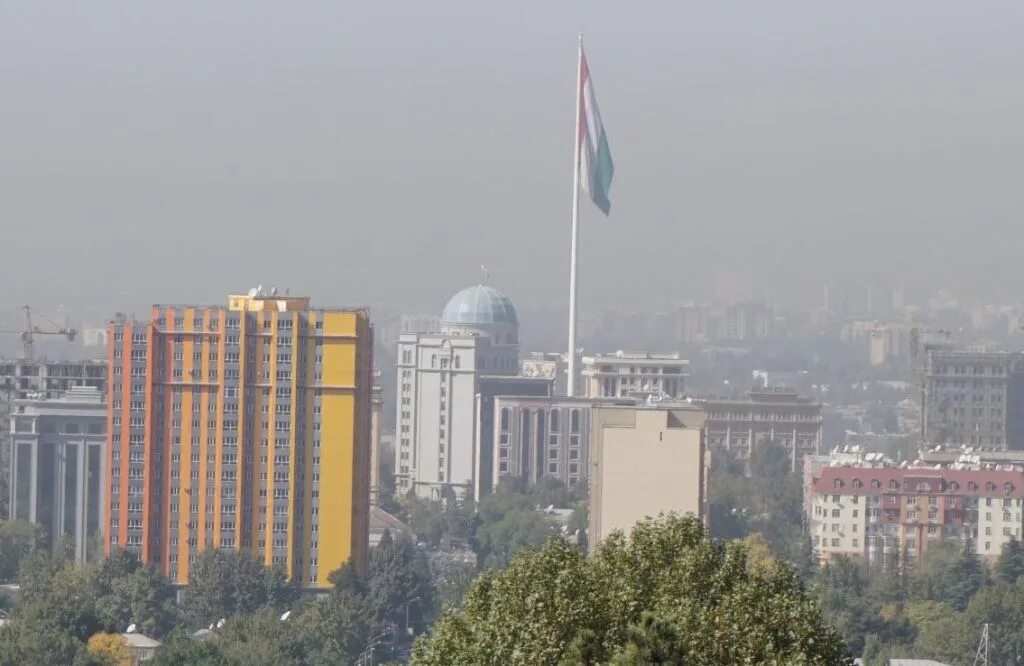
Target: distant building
<point>745,322</point>
<point>542,438</point>
<point>439,376</point>
<point>547,365</point>
<point>94,337</point>
<point>973,398</point>
<point>624,374</point>
<point>58,466</point>
<point>49,379</point>
<point>886,514</point>
<point>644,462</point>
<point>246,426</point>
<point>693,324</point>
<point>779,414</point>
<point>377,407</point>
<point>880,342</point>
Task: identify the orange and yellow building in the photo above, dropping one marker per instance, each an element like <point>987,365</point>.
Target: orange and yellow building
<point>245,426</point>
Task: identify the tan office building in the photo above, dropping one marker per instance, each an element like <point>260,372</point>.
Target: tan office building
<point>644,462</point>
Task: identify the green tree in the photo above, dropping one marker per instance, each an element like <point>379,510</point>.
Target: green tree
<point>963,579</point>
<point>399,574</point>
<point>223,583</point>
<point>17,539</point>
<point>667,589</point>
<point>129,592</point>
<point>509,521</point>
<point>1010,565</point>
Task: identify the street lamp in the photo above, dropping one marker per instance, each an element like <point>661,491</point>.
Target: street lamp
<point>408,632</point>
<point>366,656</point>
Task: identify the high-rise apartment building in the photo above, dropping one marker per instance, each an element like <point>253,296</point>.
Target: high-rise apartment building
<point>625,374</point>
<point>58,466</point>
<point>973,398</point>
<point>246,426</point>
<point>643,462</point>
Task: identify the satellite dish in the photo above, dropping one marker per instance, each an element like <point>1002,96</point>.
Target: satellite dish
<point>220,623</point>
<point>131,629</point>
<point>285,616</point>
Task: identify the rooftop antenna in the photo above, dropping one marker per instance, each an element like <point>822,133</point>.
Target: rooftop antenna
<point>487,273</point>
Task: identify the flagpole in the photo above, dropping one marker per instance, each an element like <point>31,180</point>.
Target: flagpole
<point>573,252</point>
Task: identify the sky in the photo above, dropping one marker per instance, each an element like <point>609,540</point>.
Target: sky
<point>379,152</point>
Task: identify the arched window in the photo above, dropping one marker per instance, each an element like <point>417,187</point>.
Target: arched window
<point>857,483</point>
<point>837,483</point>
<point>990,486</point>
<point>458,362</point>
<point>954,486</point>
<point>433,360</point>
<point>574,421</point>
<point>875,483</point>
<point>555,420</point>
<point>1008,487</point>
<point>894,485</point>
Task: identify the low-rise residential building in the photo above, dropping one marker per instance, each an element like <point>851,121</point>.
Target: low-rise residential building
<point>779,414</point>
<point>645,461</point>
<point>888,514</point>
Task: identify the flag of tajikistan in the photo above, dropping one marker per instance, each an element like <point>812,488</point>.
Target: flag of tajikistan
<point>596,166</point>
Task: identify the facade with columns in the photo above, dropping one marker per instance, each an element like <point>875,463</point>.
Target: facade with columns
<point>58,469</point>
<point>779,414</point>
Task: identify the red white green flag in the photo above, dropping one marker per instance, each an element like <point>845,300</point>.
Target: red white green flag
<point>596,168</point>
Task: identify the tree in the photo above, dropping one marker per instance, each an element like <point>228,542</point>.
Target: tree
<point>335,628</point>
<point>223,583</point>
<point>963,579</point>
<point>108,649</point>
<point>1010,565</point>
<point>667,589</point>
<point>17,539</point>
<point>129,592</point>
<point>509,521</point>
<point>398,575</point>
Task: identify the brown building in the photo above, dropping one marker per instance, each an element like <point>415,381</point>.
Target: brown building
<point>245,426</point>
<point>779,414</point>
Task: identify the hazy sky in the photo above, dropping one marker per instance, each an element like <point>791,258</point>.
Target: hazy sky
<point>379,152</point>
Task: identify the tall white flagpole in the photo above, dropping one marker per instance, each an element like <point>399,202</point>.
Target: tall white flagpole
<point>573,253</point>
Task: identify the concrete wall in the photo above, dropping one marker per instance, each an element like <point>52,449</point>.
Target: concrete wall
<point>645,462</point>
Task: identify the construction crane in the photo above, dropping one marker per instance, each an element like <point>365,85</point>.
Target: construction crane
<point>30,330</point>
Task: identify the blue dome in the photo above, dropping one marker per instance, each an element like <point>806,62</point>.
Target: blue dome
<point>479,305</point>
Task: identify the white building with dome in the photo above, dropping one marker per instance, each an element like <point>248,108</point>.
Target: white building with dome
<point>440,374</point>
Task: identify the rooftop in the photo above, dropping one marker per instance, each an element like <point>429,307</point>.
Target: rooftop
<point>621,355</point>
